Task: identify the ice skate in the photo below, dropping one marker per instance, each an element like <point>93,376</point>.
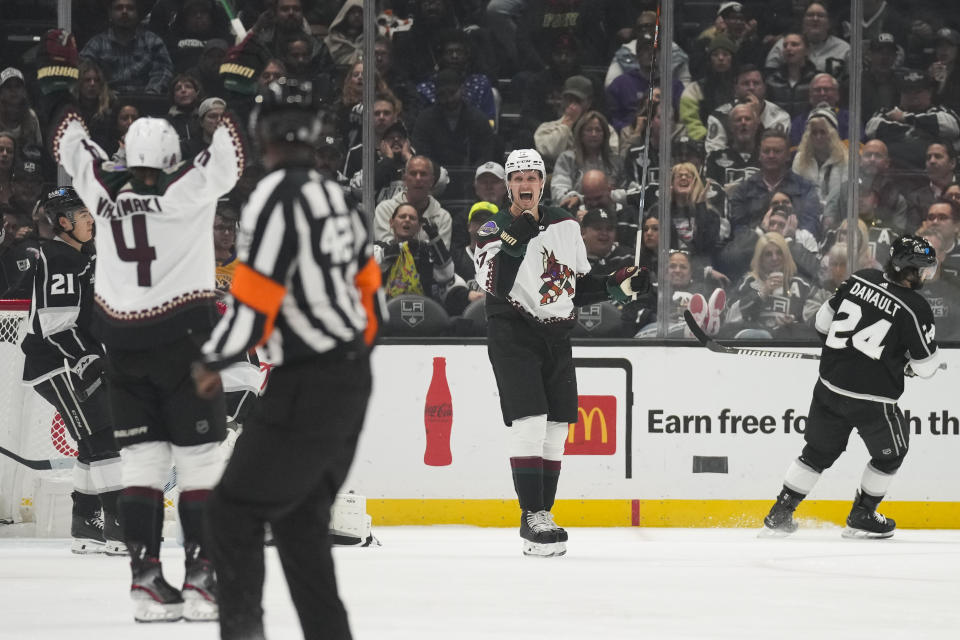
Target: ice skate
<point>87,534</point>
<point>866,522</point>
<point>540,535</point>
<point>154,599</point>
<point>560,531</point>
<point>199,591</point>
<point>779,523</point>
<point>113,536</point>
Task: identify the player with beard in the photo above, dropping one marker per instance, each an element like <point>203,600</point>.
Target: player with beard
<point>876,329</point>
<point>532,263</point>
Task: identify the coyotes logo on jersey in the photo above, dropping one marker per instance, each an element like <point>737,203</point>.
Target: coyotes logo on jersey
<point>557,279</point>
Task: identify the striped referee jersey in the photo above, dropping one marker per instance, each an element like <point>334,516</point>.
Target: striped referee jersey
<point>305,284</point>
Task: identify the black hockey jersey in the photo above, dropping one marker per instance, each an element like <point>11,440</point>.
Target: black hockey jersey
<point>60,312</point>
<point>873,329</point>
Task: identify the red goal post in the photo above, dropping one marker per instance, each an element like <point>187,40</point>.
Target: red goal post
<point>29,426</point>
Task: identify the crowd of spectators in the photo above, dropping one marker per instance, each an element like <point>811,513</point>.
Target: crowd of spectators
<point>759,127</point>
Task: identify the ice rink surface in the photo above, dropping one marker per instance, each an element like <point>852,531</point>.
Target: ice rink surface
<point>465,583</point>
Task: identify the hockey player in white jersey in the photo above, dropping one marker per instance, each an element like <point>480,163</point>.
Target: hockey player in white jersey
<point>64,364</point>
<point>154,307</point>
<point>533,265</point>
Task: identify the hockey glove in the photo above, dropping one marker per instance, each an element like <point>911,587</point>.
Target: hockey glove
<point>627,283</point>
<point>518,233</point>
<point>242,65</point>
<point>57,62</point>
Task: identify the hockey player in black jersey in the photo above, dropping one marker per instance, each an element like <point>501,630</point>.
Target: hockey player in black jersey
<point>64,364</point>
<point>876,329</point>
<point>532,263</point>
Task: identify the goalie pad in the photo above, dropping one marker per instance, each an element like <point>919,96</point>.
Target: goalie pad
<point>349,523</point>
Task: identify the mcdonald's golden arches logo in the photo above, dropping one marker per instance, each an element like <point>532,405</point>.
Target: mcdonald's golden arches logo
<point>595,432</point>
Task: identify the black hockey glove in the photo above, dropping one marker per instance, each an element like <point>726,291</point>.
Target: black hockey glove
<point>518,233</point>
<point>627,283</point>
<point>90,371</point>
<point>57,62</point>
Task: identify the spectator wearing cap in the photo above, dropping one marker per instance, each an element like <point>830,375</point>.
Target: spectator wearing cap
<point>345,38</point>
<point>824,92</point>
<point>944,70</point>
<point>626,57</point>
<point>465,253</point>
<point>208,114</point>
<point>556,136</point>
<point>748,87</point>
<point>598,228</point>
<point>821,156</point>
<point>881,78</point>
<point>135,59</point>
<point>489,187</point>
<point>16,116</point>
<point>828,53</point>
<point>700,98</point>
<point>909,128</point>
<point>27,182</point>
<point>541,92</point>
<point>941,171</point>
<point>740,159</point>
<point>451,132</point>
<point>788,86</point>
<point>732,22</point>
<point>207,67</point>
<point>196,23</point>
<point>875,178</point>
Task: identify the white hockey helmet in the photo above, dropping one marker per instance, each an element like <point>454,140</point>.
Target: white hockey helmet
<point>524,160</point>
<point>152,142</point>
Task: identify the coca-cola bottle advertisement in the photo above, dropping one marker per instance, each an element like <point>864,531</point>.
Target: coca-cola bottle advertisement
<point>438,417</point>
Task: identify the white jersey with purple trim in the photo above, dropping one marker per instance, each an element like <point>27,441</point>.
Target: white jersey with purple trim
<point>546,279</point>
<point>155,256</point>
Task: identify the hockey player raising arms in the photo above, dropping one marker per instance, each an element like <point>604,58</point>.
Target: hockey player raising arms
<point>876,328</point>
<point>154,307</point>
<point>533,265</point>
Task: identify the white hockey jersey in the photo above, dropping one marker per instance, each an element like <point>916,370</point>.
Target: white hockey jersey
<point>545,282</point>
<point>155,259</point>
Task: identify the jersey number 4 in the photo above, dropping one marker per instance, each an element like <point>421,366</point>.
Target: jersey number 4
<point>868,340</point>
<point>141,252</point>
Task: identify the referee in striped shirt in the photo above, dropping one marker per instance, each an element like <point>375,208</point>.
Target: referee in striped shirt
<point>304,290</point>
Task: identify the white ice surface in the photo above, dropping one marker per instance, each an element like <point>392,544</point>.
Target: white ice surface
<point>465,583</point>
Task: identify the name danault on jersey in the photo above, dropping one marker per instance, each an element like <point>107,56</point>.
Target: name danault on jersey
<point>875,297</point>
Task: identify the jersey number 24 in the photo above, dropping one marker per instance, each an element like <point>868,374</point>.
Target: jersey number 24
<point>844,333</point>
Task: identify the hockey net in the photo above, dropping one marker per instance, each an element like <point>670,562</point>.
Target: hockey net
<point>29,426</point>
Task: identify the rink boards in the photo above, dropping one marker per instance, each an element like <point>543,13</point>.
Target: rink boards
<point>665,437</point>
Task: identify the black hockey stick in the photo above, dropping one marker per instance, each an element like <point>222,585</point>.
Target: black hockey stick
<point>711,344</point>
<point>40,465</point>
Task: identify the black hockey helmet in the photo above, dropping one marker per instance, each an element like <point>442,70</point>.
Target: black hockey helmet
<point>912,260</point>
<point>286,110</point>
<point>62,202</point>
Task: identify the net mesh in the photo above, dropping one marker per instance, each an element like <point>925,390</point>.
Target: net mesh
<point>29,426</point>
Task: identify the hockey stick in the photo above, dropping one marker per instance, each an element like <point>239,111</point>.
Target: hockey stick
<point>711,344</point>
<point>235,25</point>
<point>644,167</point>
<point>40,465</point>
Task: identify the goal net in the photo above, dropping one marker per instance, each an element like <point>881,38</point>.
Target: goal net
<point>29,426</point>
